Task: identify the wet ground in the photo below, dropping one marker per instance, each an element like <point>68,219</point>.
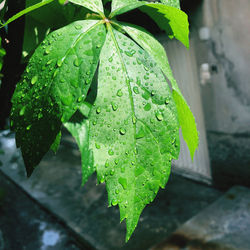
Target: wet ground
<point>52,207</point>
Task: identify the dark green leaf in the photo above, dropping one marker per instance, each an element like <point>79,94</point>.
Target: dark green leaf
<point>55,83</point>
<point>134,130</point>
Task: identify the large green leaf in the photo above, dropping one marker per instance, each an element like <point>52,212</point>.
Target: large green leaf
<point>134,130</point>
<point>158,53</point>
<point>94,5</point>
<point>56,81</point>
<point>78,126</point>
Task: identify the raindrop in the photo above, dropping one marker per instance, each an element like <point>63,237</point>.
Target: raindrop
<point>159,116</point>
<point>117,191</point>
<point>111,152</point>
<point>134,119</point>
<point>76,62</point>
<point>123,182</point>
<point>167,101</point>
<point>22,111</point>
<point>98,110</point>
<point>28,127</point>
<point>78,26</point>
<point>106,164</point>
<point>136,90</point>
<point>34,79</point>
<point>122,131</point>
<point>111,59</point>
<point>112,172</point>
<point>114,106</point>
<point>119,93</point>
<point>97,146</point>
<point>147,107</point>
<point>152,92</point>
<point>59,63</point>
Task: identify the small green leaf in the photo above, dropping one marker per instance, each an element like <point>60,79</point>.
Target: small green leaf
<point>133,135</point>
<point>158,53</point>
<point>58,74</point>
<point>94,5</point>
<point>78,126</point>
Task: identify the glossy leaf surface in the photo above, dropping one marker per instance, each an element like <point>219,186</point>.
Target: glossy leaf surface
<point>94,5</point>
<point>157,52</point>
<point>56,81</point>
<point>134,130</point>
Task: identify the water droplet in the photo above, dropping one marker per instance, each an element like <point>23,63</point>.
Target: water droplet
<point>22,111</point>
<point>97,146</point>
<point>114,202</point>
<point>138,61</point>
<point>117,191</point>
<point>28,127</point>
<point>94,123</point>
<point>111,152</point>
<point>114,106</point>
<point>147,107</point>
<point>49,62</point>
<point>34,79</point>
<point>136,90</point>
<point>140,134</point>
<point>114,78</point>
<point>134,119</point>
<point>111,59</point>
<point>122,131</point>
<point>98,110</point>
<point>123,182</point>
<point>106,164</point>
<point>59,63</point>
<point>119,93</point>
<point>167,101</point>
<point>159,116</point>
<point>47,51</point>
<point>76,62</point>
<point>152,93</point>
<point>112,172</point>
<point>78,26</point>
<point>128,53</point>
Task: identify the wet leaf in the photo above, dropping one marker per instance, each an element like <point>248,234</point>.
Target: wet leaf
<point>132,146</point>
<point>157,52</point>
<point>52,86</point>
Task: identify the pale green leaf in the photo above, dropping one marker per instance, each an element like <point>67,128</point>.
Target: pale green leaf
<point>158,53</point>
<point>134,130</point>
<point>94,5</point>
<point>55,83</point>
<point>78,126</point>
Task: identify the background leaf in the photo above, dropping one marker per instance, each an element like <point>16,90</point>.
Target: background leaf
<point>78,126</point>
<point>158,53</point>
<point>55,83</point>
<point>134,130</point>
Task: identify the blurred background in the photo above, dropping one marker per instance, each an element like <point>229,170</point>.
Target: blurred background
<point>206,204</point>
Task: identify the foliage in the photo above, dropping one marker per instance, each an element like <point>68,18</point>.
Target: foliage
<point>126,123</point>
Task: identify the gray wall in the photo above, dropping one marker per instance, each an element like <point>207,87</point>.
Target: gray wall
<point>226,96</point>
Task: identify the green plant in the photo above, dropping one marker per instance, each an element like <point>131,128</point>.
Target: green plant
<point>126,123</point>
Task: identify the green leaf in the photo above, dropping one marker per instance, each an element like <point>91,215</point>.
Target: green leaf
<point>170,19</point>
<point>121,6</point>
<point>173,3</point>
<point>78,126</point>
<point>158,53</point>
<point>94,5</point>
<point>27,10</point>
<point>134,130</point>
<point>55,83</point>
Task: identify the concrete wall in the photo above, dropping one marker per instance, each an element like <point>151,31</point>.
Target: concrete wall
<point>226,96</point>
